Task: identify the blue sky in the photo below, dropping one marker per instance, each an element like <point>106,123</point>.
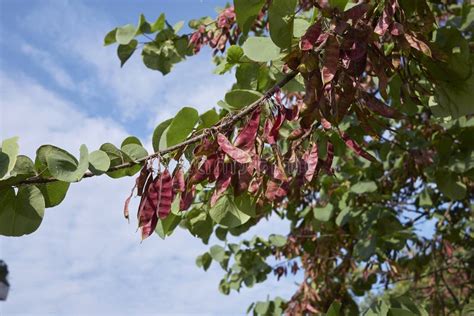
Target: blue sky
<point>59,85</point>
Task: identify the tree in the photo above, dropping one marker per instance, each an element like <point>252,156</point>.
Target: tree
<point>4,284</point>
<point>352,121</point>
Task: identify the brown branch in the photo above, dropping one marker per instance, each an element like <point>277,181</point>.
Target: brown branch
<point>226,123</point>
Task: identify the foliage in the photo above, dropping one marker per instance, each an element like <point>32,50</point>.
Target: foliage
<point>4,284</point>
<point>352,121</point>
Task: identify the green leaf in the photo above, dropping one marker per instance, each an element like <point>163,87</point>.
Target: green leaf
<point>181,126</point>
<point>208,119</point>
<point>245,203</point>
<point>334,309</point>
<point>143,26</point>
<point>158,132</point>
<point>299,27</point>
<point>364,187</point>
<point>456,47</point>
<point>400,312</point>
<point>247,76</point>
<point>246,12</point>
<point>227,214</point>
<point>448,183</point>
<point>217,253</point>
<point>166,226</point>
<point>124,52</point>
<point>134,151</point>
<point>261,49</point>
<point>63,166</point>
<point>204,261</point>
<point>110,37</point>
<point>343,217</point>
<point>234,54</point>
<point>118,157</point>
<point>199,224</point>
<point>54,192</point>
<point>8,155</point>
<point>323,214</point>
<point>41,166</point>
<point>364,248</point>
<point>114,153</point>
<point>453,98</point>
<point>238,99</point>
<point>24,168</point>
<point>131,140</point>
<point>277,240</point>
<point>468,310</point>
<point>280,18</point>
<point>21,214</point>
<point>262,308</point>
<point>125,34</point>
<point>159,23</point>
<point>156,62</point>
<point>221,233</point>
<point>178,26</point>
<point>340,4</point>
<point>455,79</point>
<point>425,199</point>
<point>99,162</point>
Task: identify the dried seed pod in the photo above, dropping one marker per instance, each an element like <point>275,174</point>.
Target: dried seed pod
<point>246,138</point>
<point>233,152</point>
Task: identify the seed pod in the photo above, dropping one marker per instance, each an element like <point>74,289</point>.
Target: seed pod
<point>311,159</point>
<point>187,198</point>
<point>149,202</point>
<point>223,182</point>
<point>163,207</point>
<point>356,148</point>
<point>178,180</point>
<point>276,191</point>
<point>309,39</point>
<point>233,152</point>
<point>379,107</point>
<point>331,59</point>
<point>142,179</point>
<point>149,227</point>
<point>246,138</point>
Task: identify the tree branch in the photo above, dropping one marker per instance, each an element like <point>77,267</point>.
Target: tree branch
<point>226,123</point>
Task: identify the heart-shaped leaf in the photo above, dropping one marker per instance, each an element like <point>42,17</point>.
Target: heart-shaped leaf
<point>8,155</point>
<point>226,213</point>
<point>22,213</point>
<point>261,49</point>
<point>63,166</point>
<point>99,162</point>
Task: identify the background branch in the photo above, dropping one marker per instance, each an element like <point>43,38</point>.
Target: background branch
<point>226,123</point>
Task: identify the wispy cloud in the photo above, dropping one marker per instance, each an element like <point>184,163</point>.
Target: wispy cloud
<point>76,32</point>
<point>40,116</point>
<point>46,61</point>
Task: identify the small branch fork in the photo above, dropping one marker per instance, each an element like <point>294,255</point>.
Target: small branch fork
<point>226,123</point>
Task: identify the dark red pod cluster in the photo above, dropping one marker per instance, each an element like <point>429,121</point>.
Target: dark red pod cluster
<point>157,194</point>
<point>252,163</point>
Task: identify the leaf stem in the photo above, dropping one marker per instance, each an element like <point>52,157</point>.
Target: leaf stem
<point>226,123</point>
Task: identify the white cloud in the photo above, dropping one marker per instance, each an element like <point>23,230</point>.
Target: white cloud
<point>46,61</point>
<point>77,34</point>
<point>39,116</point>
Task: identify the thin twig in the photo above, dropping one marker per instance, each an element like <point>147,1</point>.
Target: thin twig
<point>233,118</point>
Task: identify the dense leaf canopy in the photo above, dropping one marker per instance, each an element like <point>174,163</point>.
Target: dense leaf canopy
<point>351,120</point>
